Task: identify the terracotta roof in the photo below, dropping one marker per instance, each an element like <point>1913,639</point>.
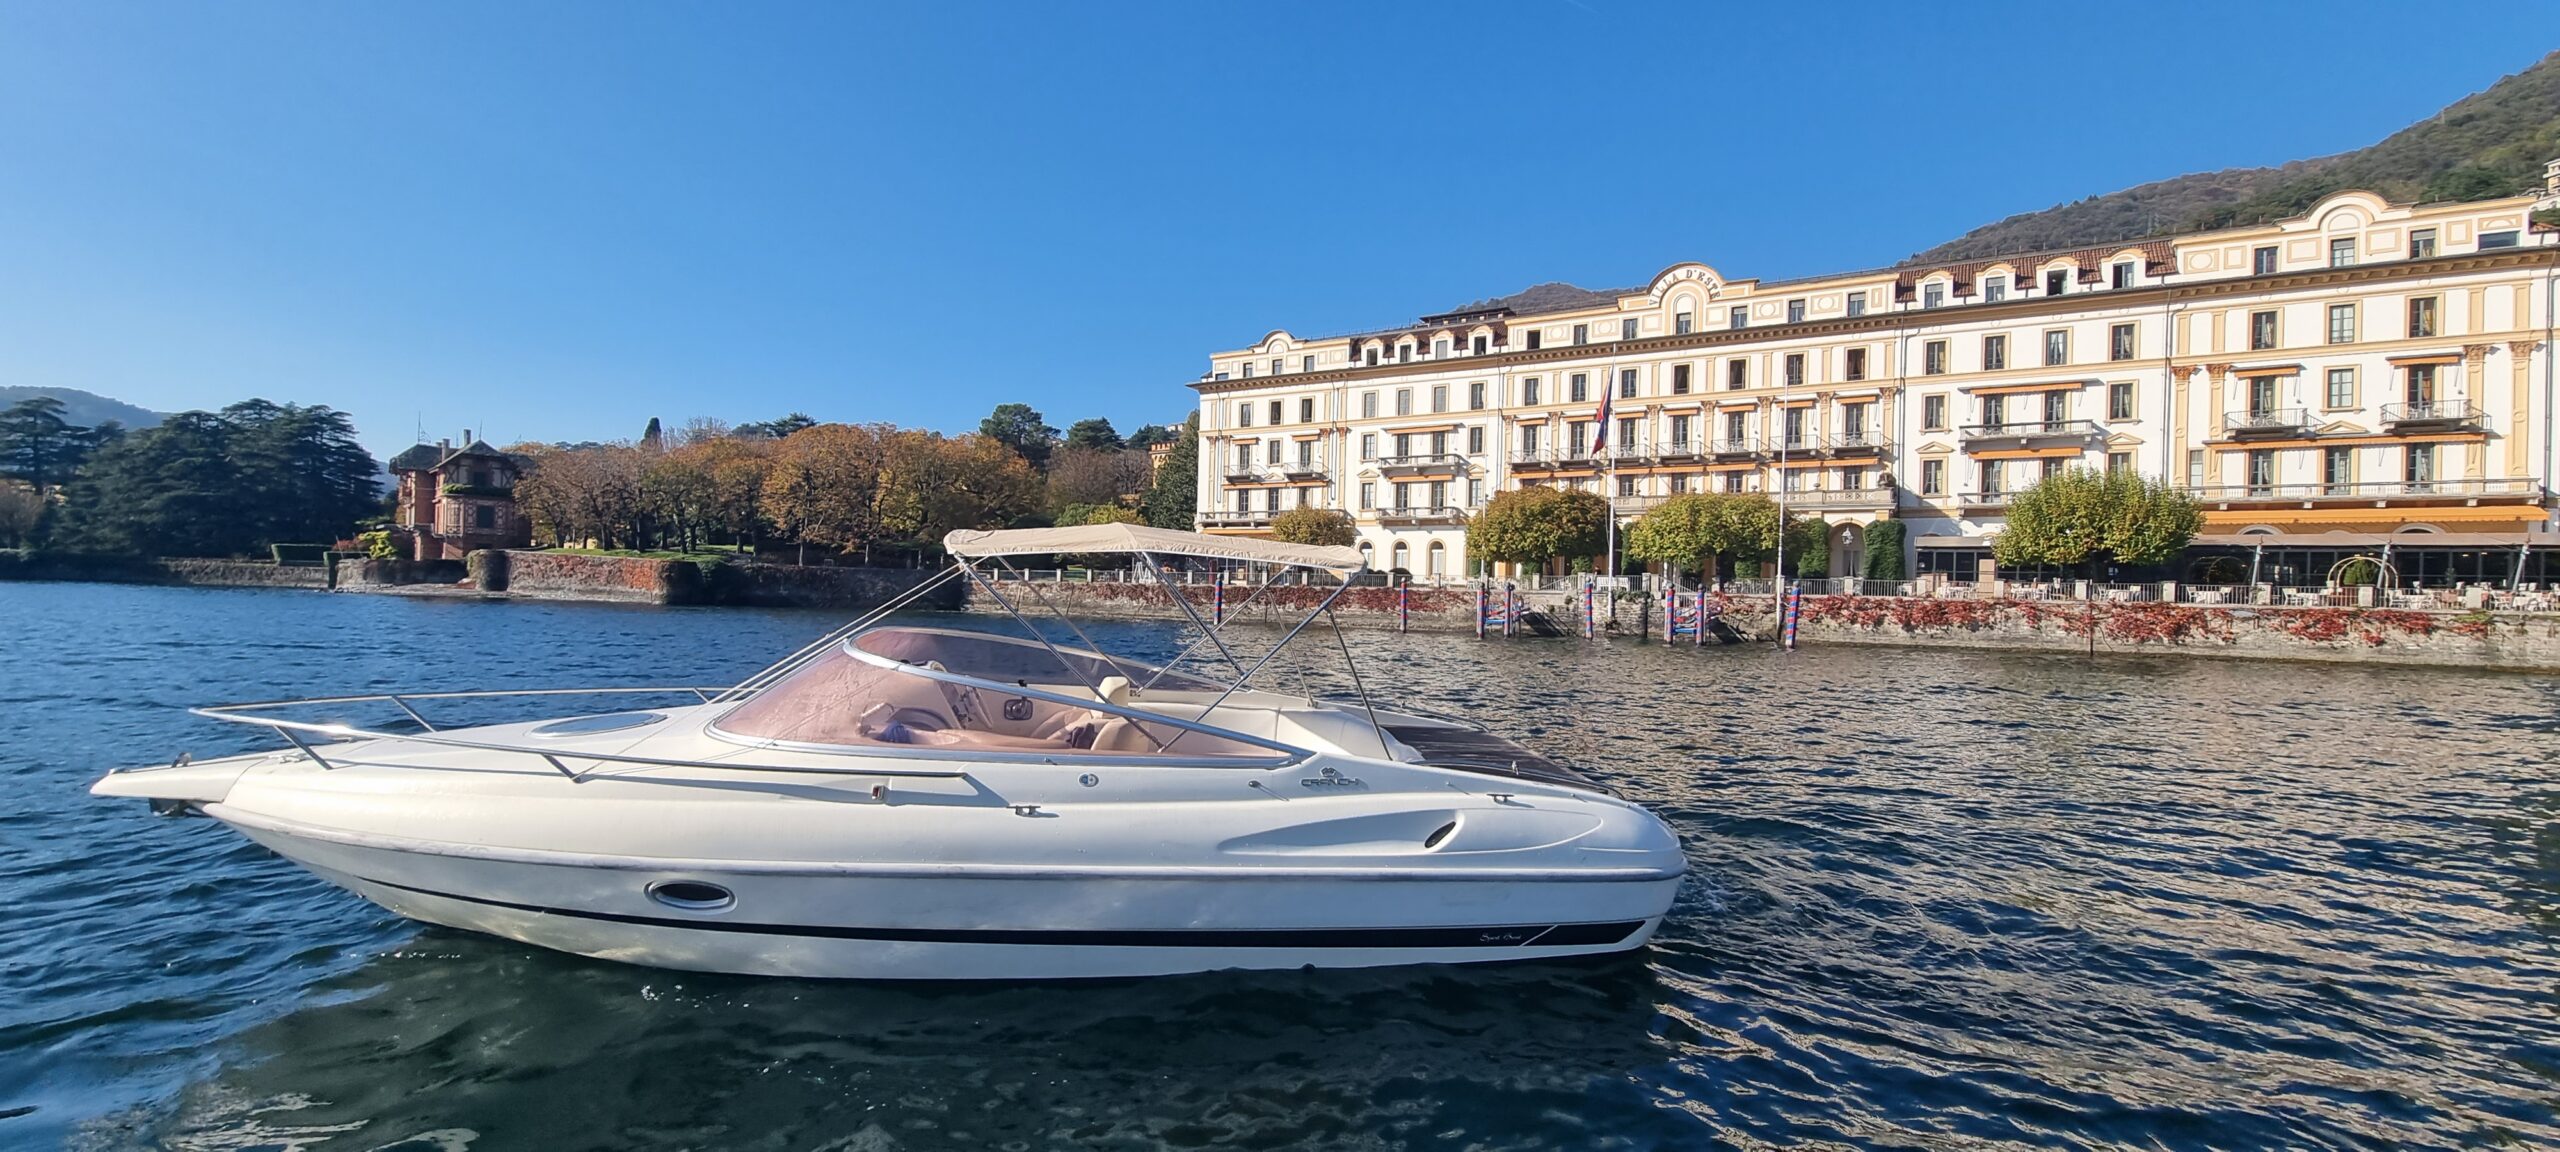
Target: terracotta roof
<point>427,457</point>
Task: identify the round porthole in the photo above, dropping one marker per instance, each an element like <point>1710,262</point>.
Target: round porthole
<point>590,725</point>
<point>691,895</point>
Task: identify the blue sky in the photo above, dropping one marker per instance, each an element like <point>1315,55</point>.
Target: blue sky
<point>556,220</point>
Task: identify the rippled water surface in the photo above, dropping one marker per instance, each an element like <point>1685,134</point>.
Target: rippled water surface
<point>1938,899</point>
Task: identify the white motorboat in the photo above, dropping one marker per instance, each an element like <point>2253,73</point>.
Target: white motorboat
<point>928,803</point>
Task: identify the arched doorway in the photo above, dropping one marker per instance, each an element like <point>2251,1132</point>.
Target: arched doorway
<point>1400,560</point>
<point>1848,549</point>
<point>1435,561</point>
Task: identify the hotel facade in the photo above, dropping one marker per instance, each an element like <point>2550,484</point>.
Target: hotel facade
<point>2366,373</point>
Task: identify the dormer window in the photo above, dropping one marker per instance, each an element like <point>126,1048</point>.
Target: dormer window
<point>1480,344</point>
<point>1932,294</point>
<point>2057,281</point>
<point>1995,289</point>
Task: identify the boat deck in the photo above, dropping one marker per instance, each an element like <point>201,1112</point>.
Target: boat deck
<point>1473,750</point>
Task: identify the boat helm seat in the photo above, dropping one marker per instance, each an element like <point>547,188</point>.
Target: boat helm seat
<point>1114,690</point>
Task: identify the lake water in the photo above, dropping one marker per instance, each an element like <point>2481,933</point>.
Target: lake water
<point>1938,899</point>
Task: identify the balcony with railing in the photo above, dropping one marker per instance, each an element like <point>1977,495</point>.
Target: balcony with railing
<point>1416,516</point>
<point>1985,500</point>
<point>1311,468</point>
<point>2433,416</point>
<point>1632,452</point>
<point>1742,449</point>
<point>1859,444</point>
<point>1235,518</point>
<point>1244,472</point>
<point>1531,460</point>
<point>1843,499</point>
<point>2024,433</point>
<point>1682,448</point>
<point>1424,464</point>
<point>2266,423</point>
<point>2379,493</point>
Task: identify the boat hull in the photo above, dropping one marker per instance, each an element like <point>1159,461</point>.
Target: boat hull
<point>857,922</point>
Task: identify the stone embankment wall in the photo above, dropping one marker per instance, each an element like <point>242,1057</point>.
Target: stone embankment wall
<point>541,575</point>
<point>1430,609</point>
<point>15,565</point>
<point>2361,635</point>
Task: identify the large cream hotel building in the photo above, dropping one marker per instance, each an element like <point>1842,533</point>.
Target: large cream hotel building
<point>2365,370</point>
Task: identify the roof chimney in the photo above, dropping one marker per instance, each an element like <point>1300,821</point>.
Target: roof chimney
<point>466,437</point>
<point>444,447</point>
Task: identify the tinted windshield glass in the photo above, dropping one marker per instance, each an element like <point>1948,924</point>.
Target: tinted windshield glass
<point>1006,660</point>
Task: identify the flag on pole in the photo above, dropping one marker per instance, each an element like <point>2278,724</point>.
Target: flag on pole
<point>1600,439</point>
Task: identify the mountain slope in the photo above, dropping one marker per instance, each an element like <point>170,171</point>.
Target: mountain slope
<point>85,409</point>
<point>2491,143</point>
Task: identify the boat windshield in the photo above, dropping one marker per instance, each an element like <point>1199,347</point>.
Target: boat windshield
<point>889,689</point>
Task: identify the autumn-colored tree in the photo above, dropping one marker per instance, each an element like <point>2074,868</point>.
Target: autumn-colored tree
<point>932,484</point>
<point>1535,524</point>
<point>824,486</point>
<point>589,493</point>
<point>1079,475</point>
<point>1319,526</point>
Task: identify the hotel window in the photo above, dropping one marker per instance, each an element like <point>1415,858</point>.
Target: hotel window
<point>1270,499</point>
<point>2342,388</point>
<point>2052,468</point>
<point>2422,317</point>
<point>1679,484</point>
<point>1987,477</point>
<point>1626,384</point>
<point>2262,331</point>
<point>1933,358</point>
<point>1853,479</point>
<point>1737,429</point>
<point>1627,328</point>
<point>2057,281</point>
<point>1534,335</point>
<point>2422,243</point>
<point>1368,495</point>
<point>2119,461</point>
<point>1683,323</point>
<point>1995,353</point>
<point>1475,493</point>
<point>1404,496</point>
<point>1403,446</point>
<point>1307,410</point>
<point>1577,388</point>
<point>1627,486</point>
<point>1529,392</point>
<point>1733,481</point>
<point>1278,365</point>
<point>1368,445</point>
<point>2120,400</point>
<point>1737,373</point>
<point>1248,369</point>
<point>1626,440</point>
<point>1369,405</point>
<point>1306,453</point>
<point>2337,470</point>
<point>1244,457</point>
<point>2262,471</point>
<point>1856,368</point>
<point>1475,440</point>
<point>1439,397</point>
<point>1439,443</point>
<point>1404,401</point>
<point>1271,454</point>
<point>2342,323</point>
<point>1370,355</point>
<point>1404,353</point>
<point>1440,348</point>
<point>2420,385</point>
<point>2195,467</point>
<point>1995,289</point>
<point>1480,344</point>
<point>2121,274</point>
<point>1529,439</point>
<point>1795,311</point>
<point>1857,304</point>
<point>1244,501</point>
<point>1475,396</point>
<point>1244,414</point>
<point>2057,347</point>
<point>2262,262</point>
<point>2489,240</point>
<point>1277,411</point>
<point>2120,342</point>
<point>2418,469</point>
<point>1932,295</point>
<point>1306,363</point>
<point>1680,432</point>
<point>1795,370</point>
<point>1581,333</point>
<point>1933,413</point>
<point>2342,252</point>
<point>1679,379</point>
<point>1578,434</point>
<point>1995,411</point>
<point>1738,317</point>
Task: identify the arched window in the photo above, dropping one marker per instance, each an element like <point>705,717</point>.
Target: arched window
<point>1400,560</point>
<point>1435,561</point>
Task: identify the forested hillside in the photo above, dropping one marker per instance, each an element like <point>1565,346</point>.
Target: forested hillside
<point>2492,143</point>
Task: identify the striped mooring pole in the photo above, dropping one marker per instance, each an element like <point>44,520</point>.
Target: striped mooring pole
<point>1218,597</point>
<point>1404,604</point>
<point>1587,619</point>
<point>1484,604</point>
<point>1795,604</point>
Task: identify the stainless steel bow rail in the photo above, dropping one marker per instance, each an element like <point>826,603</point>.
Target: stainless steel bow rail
<point>296,731</point>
